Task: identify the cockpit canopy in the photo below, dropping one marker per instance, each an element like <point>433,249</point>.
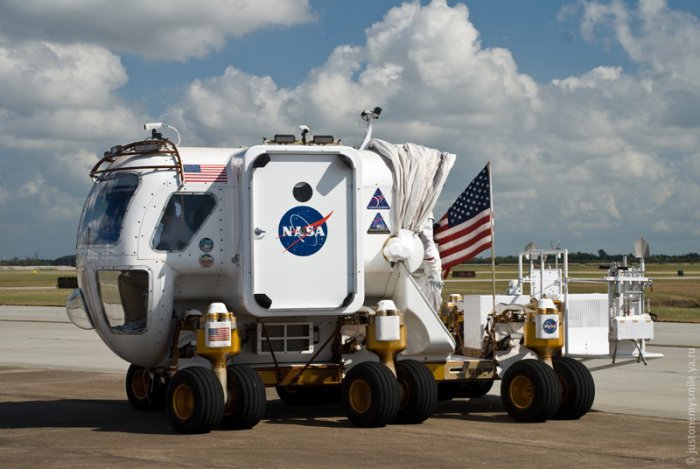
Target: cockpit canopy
<point>106,205</point>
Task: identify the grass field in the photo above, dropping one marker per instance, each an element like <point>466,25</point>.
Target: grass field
<point>38,287</point>
<point>32,287</point>
<point>668,286</point>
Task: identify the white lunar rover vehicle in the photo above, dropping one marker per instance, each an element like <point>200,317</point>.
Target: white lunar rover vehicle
<point>217,272</point>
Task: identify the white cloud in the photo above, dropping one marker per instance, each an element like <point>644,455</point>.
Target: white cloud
<point>41,75</point>
<point>584,157</point>
<point>177,29</point>
<point>665,41</point>
<point>593,160</point>
<point>434,90</point>
<point>590,80</point>
<point>54,95</point>
<point>58,111</point>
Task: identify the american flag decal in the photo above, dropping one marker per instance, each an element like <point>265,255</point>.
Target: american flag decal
<point>205,173</point>
<point>219,334</point>
<point>467,227</point>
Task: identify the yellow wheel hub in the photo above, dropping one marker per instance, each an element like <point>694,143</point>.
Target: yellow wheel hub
<point>360,396</point>
<point>183,402</point>
<point>522,392</point>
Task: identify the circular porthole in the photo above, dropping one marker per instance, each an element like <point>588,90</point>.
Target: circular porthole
<point>302,191</point>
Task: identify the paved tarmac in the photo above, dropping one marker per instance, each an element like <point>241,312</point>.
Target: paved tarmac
<point>62,404</point>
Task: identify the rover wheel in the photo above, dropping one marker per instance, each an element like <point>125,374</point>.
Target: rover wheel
<point>371,395</point>
<point>245,403</point>
<point>194,400</point>
<point>419,394</point>
<point>531,391</point>
<point>578,388</point>
<point>144,390</point>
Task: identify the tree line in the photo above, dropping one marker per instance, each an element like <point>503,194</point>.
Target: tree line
<point>603,257</point>
<point>574,257</point>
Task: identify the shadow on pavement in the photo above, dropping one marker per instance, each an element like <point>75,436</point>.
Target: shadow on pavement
<point>119,416</point>
<point>486,409</point>
<point>102,415</point>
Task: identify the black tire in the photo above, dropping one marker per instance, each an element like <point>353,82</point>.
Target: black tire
<point>419,393</point>
<point>475,389</point>
<point>531,391</point>
<point>194,400</point>
<point>144,391</point>
<point>578,388</point>
<point>308,395</point>
<point>371,395</point>
<point>245,405</point>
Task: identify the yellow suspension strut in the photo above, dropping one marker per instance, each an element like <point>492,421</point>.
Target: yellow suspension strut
<point>543,331</point>
<point>386,333</point>
<point>218,339</point>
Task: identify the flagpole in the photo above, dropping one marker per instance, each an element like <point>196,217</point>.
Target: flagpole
<point>493,240</point>
<point>493,265</point>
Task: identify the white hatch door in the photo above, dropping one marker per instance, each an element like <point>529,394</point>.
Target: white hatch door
<point>303,241</point>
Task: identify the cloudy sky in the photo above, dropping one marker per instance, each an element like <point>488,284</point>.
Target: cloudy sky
<point>588,110</point>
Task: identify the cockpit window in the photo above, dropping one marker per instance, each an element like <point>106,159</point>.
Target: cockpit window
<point>184,215</point>
<point>104,210</point>
<point>124,298</point>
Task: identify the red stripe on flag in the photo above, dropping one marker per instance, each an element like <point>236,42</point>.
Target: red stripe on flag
<point>464,242</point>
<point>479,248</point>
<point>467,228</point>
<point>445,237</point>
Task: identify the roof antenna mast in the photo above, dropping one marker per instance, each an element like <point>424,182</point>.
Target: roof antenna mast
<point>368,116</point>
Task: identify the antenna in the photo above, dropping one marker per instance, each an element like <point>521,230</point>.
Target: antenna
<point>530,247</point>
<point>641,248</point>
<point>154,127</point>
<point>304,132</point>
<point>368,116</point>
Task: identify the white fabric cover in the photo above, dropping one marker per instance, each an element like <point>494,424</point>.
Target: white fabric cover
<point>419,175</point>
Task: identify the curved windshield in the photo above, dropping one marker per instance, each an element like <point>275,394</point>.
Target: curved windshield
<point>104,210</point>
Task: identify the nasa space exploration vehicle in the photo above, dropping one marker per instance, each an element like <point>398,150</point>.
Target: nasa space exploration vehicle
<point>295,264</point>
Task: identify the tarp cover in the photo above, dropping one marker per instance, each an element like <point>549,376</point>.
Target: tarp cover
<point>419,175</point>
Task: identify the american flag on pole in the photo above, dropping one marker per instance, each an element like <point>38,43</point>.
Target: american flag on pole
<point>467,227</point>
<point>205,173</point>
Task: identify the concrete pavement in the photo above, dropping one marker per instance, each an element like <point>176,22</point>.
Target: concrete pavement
<point>75,419</point>
<point>44,337</point>
<point>62,404</point>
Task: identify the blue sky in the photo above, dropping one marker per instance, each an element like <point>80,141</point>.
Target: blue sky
<point>589,110</point>
<point>545,47</point>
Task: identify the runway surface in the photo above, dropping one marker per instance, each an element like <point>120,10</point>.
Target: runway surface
<point>62,404</point>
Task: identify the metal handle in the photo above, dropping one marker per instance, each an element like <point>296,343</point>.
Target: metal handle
<point>259,231</point>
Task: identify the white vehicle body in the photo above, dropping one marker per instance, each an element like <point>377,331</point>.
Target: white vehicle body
<point>268,253</point>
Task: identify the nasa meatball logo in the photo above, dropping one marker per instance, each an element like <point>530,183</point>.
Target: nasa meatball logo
<point>303,230</point>
<point>549,326</point>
